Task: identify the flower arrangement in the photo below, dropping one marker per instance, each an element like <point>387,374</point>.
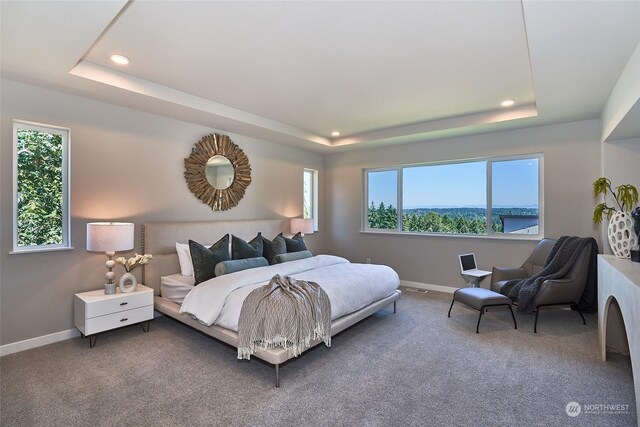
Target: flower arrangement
<point>134,262</point>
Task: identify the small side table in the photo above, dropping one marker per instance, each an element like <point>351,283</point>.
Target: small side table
<point>94,312</point>
<point>474,277</point>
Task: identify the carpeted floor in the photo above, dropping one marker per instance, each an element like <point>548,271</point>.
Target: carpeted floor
<point>414,368</point>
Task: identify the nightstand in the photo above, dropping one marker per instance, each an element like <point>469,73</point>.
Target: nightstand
<point>95,312</point>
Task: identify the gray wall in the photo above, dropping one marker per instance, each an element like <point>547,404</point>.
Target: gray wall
<point>128,165</point>
<point>125,165</point>
<point>571,164</point>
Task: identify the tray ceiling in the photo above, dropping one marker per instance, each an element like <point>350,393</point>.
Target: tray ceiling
<point>294,72</point>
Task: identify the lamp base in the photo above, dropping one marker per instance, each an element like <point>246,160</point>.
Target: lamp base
<point>110,288</point>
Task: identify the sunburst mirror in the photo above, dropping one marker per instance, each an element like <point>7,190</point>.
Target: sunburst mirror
<point>217,172</point>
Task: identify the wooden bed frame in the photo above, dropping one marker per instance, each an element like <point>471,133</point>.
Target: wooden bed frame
<point>159,239</point>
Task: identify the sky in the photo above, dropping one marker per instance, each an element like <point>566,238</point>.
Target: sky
<point>515,183</point>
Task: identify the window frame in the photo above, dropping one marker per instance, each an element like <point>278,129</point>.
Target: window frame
<point>65,134</point>
<point>365,211</point>
<point>489,162</point>
<point>314,195</point>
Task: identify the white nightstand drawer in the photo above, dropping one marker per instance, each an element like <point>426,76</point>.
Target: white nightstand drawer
<point>100,304</point>
<point>107,322</point>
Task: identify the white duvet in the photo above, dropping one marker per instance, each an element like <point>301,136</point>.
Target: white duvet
<point>349,287</point>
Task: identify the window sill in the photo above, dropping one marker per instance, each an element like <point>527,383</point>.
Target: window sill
<point>38,250</point>
<point>522,237</point>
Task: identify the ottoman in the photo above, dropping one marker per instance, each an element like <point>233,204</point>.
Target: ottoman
<point>479,299</point>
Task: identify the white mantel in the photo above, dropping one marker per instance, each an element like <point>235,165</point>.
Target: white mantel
<point>620,279</point>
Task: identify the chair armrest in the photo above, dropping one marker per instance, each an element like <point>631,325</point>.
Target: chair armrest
<point>498,274</point>
<point>557,291</point>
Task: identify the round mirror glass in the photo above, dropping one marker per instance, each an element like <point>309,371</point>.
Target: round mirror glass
<point>219,172</point>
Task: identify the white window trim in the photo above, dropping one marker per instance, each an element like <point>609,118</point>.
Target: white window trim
<point>65,134</point>
<point>490,234</point>
<point>314,196</point>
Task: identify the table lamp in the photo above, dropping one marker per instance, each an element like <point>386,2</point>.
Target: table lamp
<point>303,225</point>
<point>110,237</point>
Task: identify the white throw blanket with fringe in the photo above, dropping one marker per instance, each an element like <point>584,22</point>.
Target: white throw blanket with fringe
<point>285,312</point>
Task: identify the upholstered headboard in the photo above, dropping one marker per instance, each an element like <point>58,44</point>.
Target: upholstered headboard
<point>159,239</point>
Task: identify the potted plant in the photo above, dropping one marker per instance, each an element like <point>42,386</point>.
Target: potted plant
<point>620,231</point>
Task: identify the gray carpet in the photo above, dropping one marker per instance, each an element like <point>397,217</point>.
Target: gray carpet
<point>416,367</point>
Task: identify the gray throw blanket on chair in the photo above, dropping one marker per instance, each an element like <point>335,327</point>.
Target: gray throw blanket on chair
<point>562,258</point>
<point>286,312</point>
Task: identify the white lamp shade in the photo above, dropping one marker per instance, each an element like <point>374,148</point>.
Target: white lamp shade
<point>304,226</point>
<point>110,236</point>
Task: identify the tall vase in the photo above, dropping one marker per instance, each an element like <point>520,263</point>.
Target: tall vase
<point>128,283</point>
<point>622,237</point>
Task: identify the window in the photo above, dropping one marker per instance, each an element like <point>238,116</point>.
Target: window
<point>310,196</point>
<point>494,196</point>
<point>515,197</point>
<point>383,197</point>
<point>40,187</point>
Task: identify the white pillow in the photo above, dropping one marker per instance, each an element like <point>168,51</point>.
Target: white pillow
<point>184,258</point>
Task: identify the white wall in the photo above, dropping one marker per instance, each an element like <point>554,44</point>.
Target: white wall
<point>617,113</point>
<point>571,164</point>
<point>621,164</point>
<point>125,165</point>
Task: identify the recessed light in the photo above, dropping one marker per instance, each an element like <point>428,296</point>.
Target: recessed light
<point>335,133</point>
<point>119,59</point>
<point>508,102</point>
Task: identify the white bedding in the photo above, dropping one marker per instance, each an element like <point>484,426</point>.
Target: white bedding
<point>176,286</point>
<point>349,287</point>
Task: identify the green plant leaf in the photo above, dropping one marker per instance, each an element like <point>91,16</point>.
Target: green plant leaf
<point>600,186</point>
<point>627,196</point>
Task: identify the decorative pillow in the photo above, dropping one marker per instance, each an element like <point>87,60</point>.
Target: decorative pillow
<point>242,250</point>
<point>205,259</point>
<point>184,258</point>
<point>227,267</point>
<point>274,247</point>
<point>296,243</point>
<point>292,256</point>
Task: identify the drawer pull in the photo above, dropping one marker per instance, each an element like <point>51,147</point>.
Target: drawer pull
<point>124,319</point>
<point>124,303</point>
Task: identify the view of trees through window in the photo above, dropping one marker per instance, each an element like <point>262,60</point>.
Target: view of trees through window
<point>40,192</point>
<point>310,196</point>
<point>452,197</point>
<point>383,194</point>
<point>307,194</point>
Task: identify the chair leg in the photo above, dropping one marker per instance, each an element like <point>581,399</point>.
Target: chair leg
<point>452,301</point>
<point>584,322</point>
<point>515,325</point>
<point>572,305</point>
<point>479,318</point>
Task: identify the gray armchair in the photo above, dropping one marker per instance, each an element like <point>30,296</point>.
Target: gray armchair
<point>564,291</point>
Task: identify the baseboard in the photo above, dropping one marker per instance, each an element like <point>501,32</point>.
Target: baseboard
<point>427,286</point>
<point>620,351</point>
<point>15,347</point>
<point>30,343</point>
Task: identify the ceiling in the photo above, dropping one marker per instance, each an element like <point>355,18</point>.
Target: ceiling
<point>294,72</point>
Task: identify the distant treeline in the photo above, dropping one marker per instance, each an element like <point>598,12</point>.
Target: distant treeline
<point>442,220</point>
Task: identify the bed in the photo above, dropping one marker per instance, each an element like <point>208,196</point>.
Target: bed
<point>160,238</point>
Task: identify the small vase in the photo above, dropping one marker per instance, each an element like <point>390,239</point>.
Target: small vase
<point>622,237</point>
<point>128,283</point>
